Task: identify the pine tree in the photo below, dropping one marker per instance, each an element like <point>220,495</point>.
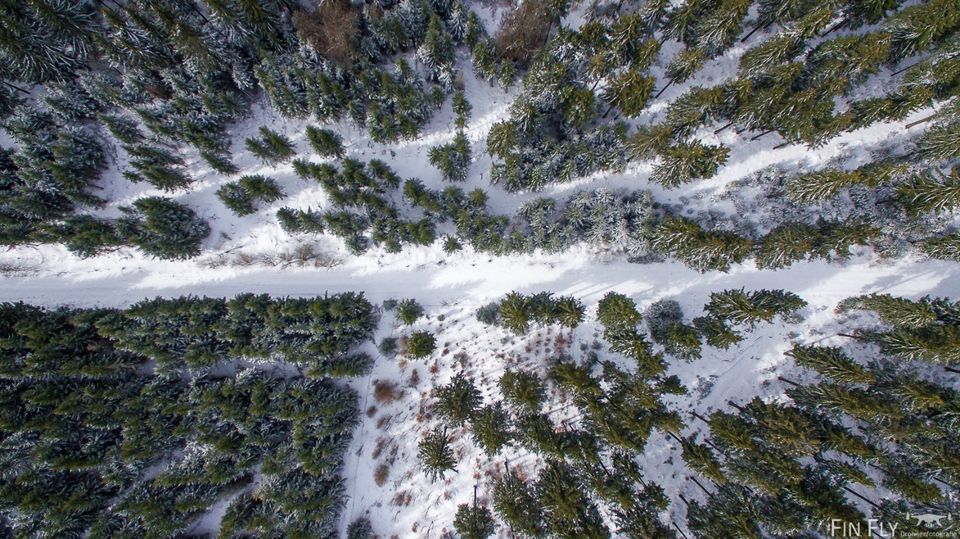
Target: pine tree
<point>716,331</point>
<point>458,400</point>
<point>786,244</point>
<point>740,307</point>
<point>821,185</point>
<point>490,426</point>
<point>567,509</point>
<point>516,503</point>
<point>629,92</point>
<point>701,459</point>
<point>940,142</point>
<point>718,31</point>
<point>523,390</point>
<point>473,522</point>
<point>894,311</point>
<point>162,228</point>
<point>515,313</point>
<point>568,311</point>
<point>436,455</point>
<point>409,311</point>
<point>453,159</point>
<point>325,142</point>
<point>684,162</point>
<point>931,192</point>
<point>683,66</point>
<point>946,247</point>
<point>616,311</point>
<point>271,147</point>
<point>647,143</point>
<point>831,362</point>
<point>686,241</point>
<point>420,344</point>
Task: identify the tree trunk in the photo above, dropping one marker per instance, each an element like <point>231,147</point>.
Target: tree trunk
<point>875,506</point>
<point>922,120</point>
<point>765,133</point>
<point>737,406</point>
<point>694,479</point>
<point>718,131</point>
<point>836,27</point>
<point>15,87</point>
<point>786,381</point>
<point>951,369</point>
<point>746,37</point>
<point>902,69</point>
<point>196,10</point>
<point>700,417</point>
<point>781,145</point>
<point>664,89</point>
<point>758,27</point>
<point>679,530</point>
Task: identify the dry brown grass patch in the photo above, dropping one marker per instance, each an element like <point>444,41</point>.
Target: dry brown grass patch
<point>331,29</point>
<point>524,32</point>
<point>385,391</point>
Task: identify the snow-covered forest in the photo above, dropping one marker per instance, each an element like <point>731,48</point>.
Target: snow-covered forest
<point>469,268</point>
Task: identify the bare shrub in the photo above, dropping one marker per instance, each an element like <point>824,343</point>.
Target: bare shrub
<point>381,474</point>
<point>524,31</point>
<point>331,29</point>
<point>385,391</point>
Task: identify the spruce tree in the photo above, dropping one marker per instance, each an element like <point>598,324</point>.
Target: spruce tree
<point>325,142</point>
<point>473,522</point>
<point>688,161</point>
<point>436,455</point>
<point>457,401</point>
<point>616,311</point>
<point>629,92</point>
<point>931,192</point>
<point>162,228</point>
<point>831,362</point>
<point>409,311</point>
<point>490,427</point>
<point>461,109</point>
<point>241,195</point>
<point>271,147</point>
<point>453,159</point>
<point>420,344</point>
<point>786,244</point>
<point>523,390</point>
